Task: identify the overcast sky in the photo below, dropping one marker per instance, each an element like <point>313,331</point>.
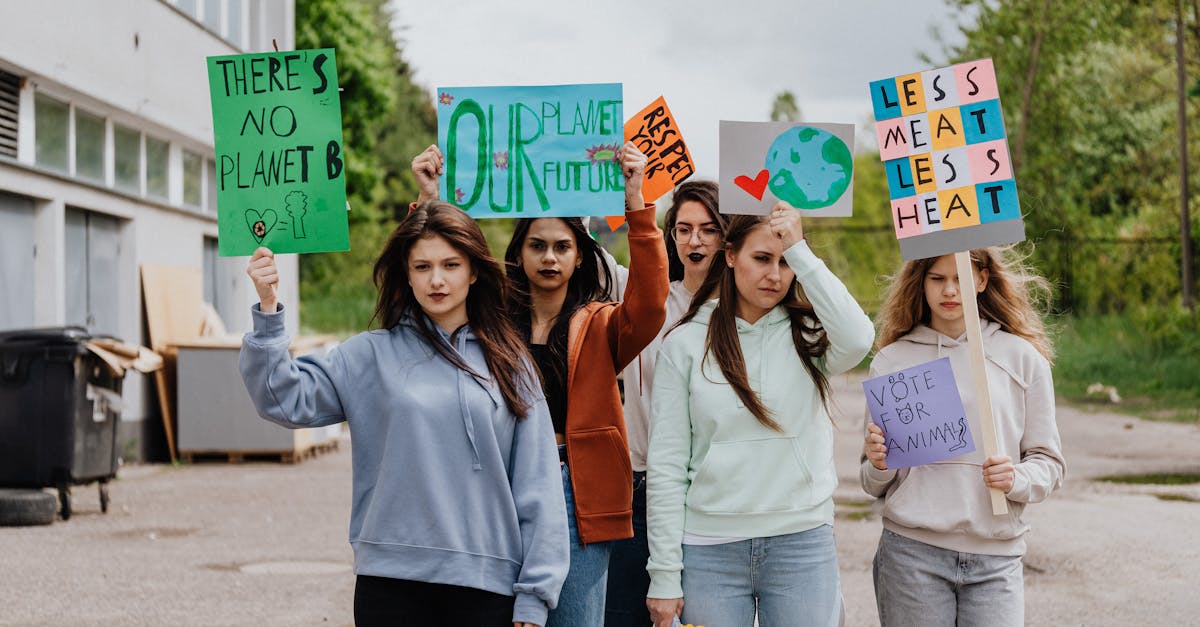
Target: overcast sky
<point>712,59</point>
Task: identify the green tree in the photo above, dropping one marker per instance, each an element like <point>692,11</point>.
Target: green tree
<point>785,109</point>
<point>1089,101</point>
<point>386,120</point>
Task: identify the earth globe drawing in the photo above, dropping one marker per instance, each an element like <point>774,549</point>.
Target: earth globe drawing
<point>810,168</point>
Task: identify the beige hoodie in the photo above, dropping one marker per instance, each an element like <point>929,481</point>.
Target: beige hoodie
<point>946,504</point>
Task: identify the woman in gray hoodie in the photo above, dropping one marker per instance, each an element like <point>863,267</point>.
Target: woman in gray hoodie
<point>943,558</point>
<point>458,515</point>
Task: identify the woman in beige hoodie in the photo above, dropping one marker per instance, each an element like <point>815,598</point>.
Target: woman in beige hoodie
<point>943,558</point>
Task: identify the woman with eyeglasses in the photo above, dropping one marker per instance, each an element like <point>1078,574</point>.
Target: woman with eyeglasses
<point>694,229</point>
<point>740,460</point>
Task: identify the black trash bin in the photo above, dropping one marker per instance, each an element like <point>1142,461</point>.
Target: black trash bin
<point>59,409</point>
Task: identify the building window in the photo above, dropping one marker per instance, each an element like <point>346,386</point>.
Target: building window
<point>192,164</point>
<point>233,19</point>
<point>212,15</point>
<point>89,146</point>
<point>127,152</point>
<point>10,105</point>
<point>51,126</point>
<point>187,6</point>
<point>210,186</point>
<point>157,166</point>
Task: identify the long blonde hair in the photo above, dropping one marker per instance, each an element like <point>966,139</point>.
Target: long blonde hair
<point>1010,298</point>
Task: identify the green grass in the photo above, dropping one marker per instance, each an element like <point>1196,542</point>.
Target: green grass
<point>1156,478</point>
<point>1175,497</point>
<point>1153,360</point>
<point>343,313</point>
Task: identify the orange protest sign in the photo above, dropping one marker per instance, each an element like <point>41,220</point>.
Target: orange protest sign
<point>654,132</point>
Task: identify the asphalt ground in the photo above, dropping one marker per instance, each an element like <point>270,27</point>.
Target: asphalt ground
<point>265,543</point>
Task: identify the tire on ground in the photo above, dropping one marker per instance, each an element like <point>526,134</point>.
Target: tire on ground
<point>26,507</point>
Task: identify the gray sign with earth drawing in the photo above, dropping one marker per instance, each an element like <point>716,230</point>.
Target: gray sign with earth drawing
<point>808,165</point>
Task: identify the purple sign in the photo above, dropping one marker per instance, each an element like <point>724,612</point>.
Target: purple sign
<point>921,414</point>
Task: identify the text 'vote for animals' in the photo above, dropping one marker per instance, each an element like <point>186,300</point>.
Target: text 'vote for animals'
<point>532,151</point>
<point>280,167</point>
<point>808,165</point>
<point>942,140</point>
<point>921,414</point>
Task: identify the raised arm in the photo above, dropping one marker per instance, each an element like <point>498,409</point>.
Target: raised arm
<point>848,328</point>
<point>291,392</point>
<point>640,316</point>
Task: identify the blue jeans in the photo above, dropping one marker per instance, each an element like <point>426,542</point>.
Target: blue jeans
<point>921,584</point>
<point>581,602</point>
<point>790,580</point>
<point>629,581</point>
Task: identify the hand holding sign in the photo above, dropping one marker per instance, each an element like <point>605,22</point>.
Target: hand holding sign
<point>785,222</point>
<point>633,166</point>
<point>427,167</point>
<point>875,447</point>
<point>265,274</point>
<point>998,473</point>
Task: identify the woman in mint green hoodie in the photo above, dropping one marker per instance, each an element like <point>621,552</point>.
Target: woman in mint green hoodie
<point>458,515</point>
<point>740,459</point>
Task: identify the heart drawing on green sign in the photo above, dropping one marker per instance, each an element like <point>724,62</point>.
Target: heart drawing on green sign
<point>261,223</point>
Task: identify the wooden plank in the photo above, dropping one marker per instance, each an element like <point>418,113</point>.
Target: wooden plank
<point>172,298</point>
<point>173,303</point>
<point>983,397</point>
<point>164,404</point>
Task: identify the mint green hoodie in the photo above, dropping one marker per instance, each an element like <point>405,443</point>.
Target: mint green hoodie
<point>712,468</point>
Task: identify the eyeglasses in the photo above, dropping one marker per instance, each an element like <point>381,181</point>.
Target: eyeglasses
<point>707,234</point>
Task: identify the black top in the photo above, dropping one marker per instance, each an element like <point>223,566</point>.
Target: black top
<point>554,383</point>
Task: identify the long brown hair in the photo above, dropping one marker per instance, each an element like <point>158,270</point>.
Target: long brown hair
<point>1008,299</point>
<point>508,360</point>
<point>722,341</point>
<point>703,192</point>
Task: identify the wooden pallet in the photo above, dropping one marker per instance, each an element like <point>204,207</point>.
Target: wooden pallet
<point>238,457</point>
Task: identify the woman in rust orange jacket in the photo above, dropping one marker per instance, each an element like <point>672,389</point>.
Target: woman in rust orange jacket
<point>581,341</point>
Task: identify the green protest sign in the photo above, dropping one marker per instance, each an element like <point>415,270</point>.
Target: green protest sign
<point>277,126</point>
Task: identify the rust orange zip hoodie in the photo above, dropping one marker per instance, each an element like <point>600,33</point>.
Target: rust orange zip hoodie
<point>602,339</point>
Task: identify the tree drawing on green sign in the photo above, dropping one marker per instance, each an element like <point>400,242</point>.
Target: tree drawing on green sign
<point>297,206</point>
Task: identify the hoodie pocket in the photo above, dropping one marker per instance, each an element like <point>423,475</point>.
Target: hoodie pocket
<point>950,497</point>
<point>601,474</point>
<point>756,476</point>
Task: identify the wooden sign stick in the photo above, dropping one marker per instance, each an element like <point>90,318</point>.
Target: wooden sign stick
<point>966,284</point>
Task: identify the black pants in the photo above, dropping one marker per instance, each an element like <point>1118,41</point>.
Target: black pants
<point>395,602</point>
<point>628,580</point>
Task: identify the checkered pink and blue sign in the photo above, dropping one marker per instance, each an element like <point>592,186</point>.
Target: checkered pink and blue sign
<point>942,141</point>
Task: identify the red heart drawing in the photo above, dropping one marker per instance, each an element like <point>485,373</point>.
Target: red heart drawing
<point>753,186</point>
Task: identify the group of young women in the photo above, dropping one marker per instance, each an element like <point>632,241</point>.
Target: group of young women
<point>706,496</point>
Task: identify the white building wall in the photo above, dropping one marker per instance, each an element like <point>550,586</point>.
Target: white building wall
<point>141,64</point>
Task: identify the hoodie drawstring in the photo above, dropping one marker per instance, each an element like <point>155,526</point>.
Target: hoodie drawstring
<point>465,410</point>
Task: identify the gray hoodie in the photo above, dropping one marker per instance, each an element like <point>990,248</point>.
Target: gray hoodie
<point>448,486</point>
<point>946,504</point>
